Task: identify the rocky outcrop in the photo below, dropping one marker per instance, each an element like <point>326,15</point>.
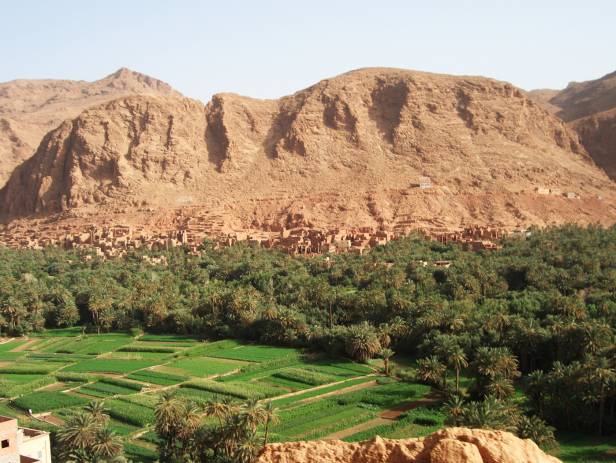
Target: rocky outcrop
<point>347,151</point>
<point>31,108</point>
<point>453,445</point>
<point>590,109</point>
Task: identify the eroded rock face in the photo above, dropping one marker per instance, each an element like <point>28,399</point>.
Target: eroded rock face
<point>344,152</point>
<point>31,108</point>
<point>590,109</point>
<point>453,445</point>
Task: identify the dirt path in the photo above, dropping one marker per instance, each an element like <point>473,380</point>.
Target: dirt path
<point>25,346</point>
<point>386,417</point>
<point>48,418</point>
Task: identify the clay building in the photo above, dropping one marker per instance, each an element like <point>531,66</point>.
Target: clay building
<point>22,445</point>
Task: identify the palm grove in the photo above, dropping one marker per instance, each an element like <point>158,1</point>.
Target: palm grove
<point>536,316</point>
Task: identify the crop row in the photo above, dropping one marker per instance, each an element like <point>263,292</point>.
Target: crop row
<point>156,377</point>
<point>422,421</point>
<point>317,392</point>
<point>255,353</point>
<point>48,400</point>
<point>153,349</point>
<point>15,388</point>
<point>146,400</point>
<point>109,365</point>
<point>123,383</point>
<point>299,375</point>
<point>101,389</point>
<point>256,370</point>
<point>240,390</point>
<point>130,413</point>
<point>28,369</point>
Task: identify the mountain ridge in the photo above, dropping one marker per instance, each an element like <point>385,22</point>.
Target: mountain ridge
<point>346,151</point>
<point>29,108</point>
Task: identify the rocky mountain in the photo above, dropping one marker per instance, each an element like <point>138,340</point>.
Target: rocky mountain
<point>31,108</point>
<point>452,445</point>
<point>590,109</point>
<point>348,151</point>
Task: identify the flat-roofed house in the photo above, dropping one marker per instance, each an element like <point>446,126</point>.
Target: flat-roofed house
<point>22,445</point>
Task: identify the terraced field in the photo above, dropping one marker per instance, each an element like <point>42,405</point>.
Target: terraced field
<point>55,375</point>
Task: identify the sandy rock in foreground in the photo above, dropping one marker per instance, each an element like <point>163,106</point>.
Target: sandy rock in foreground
<point>453,445</point>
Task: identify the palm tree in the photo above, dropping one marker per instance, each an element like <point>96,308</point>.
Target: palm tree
<point>431,370</point>
<point>457,359</point>
<point>500,387</point>
<point>536,429</point>
<point>108,445</point>
<point>79,433</point>
<point>252,415</point>
<point>601,376</point>
<point>455,408</point>
<point>362,343</point>
<point>271,417</point>
<point>168,414</point>
<point>219,410</point>
<point>247,450</point>
<point>97,410</point>
<point>386,354</point>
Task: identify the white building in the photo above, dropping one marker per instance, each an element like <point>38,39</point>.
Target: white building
<point>22,445</point>
<point>425,183</point>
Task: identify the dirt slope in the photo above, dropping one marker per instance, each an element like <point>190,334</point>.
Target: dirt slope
<point>31,108</point>
<point>348,151</point>
<point>590,109</point>
<point>453,445</point>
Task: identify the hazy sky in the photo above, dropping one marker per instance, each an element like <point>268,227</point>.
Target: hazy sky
<point>269,48</point>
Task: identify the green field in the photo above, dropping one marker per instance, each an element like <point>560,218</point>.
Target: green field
<point>316,397</point>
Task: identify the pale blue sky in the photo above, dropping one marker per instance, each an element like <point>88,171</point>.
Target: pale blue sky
<point>269,48</point>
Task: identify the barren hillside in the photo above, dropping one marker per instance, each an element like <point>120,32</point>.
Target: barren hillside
<point>590,109</point>
<point>348,151</point>
<point>31,108</point>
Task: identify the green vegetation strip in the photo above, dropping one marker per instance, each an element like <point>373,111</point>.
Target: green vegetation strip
<point>46,401</point>
<point>313,378</point>
<point>109,366</point>
<point>130,413</point>
<point>155,377</point>
<point>28,369</point>
<point>254,353</point>
<point>418,422</point>
<point>200,366</point>
<point>153,349</point>
<point>14,385</point>
<point>240,390</point>
<point>317,392</point>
